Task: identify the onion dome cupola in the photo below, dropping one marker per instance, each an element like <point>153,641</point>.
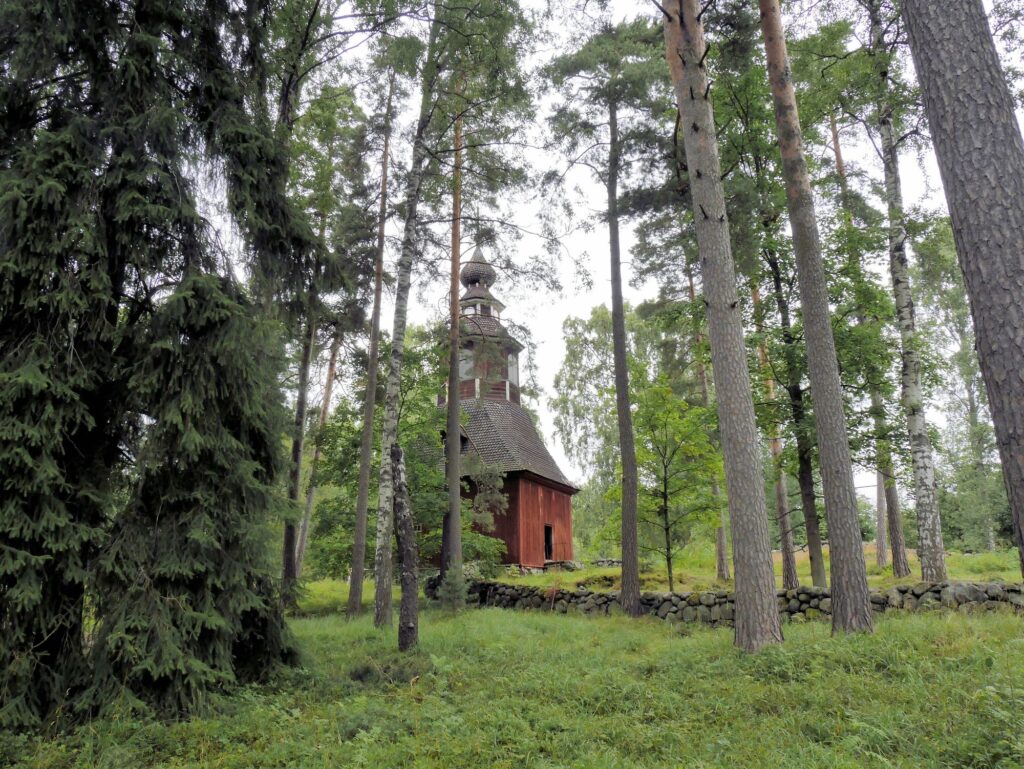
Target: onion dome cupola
<point>477,277</point>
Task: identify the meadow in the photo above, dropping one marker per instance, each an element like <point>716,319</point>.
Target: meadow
<point>496,688</point>
<point>695,570</point>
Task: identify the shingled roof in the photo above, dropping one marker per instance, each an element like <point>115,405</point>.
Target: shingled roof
<point>504,436</point>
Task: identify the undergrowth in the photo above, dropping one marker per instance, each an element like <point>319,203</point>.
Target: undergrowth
<point>496,688</point>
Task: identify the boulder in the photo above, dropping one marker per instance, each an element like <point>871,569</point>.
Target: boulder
<point>825,605</point>
<point>894,598</point>
<point>963,592</point>
<point>727,610</point>
<point>995,592</point>
<point>920,589</point>
<point>928,602</point>
<point>707,599</point>
<point>689,614</point>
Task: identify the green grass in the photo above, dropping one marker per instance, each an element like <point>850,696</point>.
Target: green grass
<point>495,688</point>
<point>695,570</point>
<point>330,596</point>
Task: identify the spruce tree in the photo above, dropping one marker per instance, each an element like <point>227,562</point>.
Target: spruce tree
<point>107,109</point>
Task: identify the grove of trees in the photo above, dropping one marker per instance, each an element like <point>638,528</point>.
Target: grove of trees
<point>224,226</point>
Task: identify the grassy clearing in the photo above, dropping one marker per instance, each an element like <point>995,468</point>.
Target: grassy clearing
<point>494,688</point>
<point>695,570</point>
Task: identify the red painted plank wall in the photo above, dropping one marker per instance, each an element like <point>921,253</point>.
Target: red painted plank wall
<point>541,505</point>
<point>506,525</point>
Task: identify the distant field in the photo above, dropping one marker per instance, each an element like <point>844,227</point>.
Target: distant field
<point>695,570</point>
<point>494,688</point>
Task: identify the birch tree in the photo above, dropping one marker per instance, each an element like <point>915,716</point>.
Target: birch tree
<point>382,574</point>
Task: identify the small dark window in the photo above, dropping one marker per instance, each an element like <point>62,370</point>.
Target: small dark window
<point>485,309</point>
<point>549,543</point>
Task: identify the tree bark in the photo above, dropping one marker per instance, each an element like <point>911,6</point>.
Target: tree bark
<point>975,440</point>
<point>405,528</point>
<point>757,616</point>
<point>451,555</point>
<point>666,525</point>
<point>930,549</point>
<point>894,518</point>
<point>325,410</point>
<point>981,158</point>
<point>629,596</point>
<point>355,582</point>
<point>883,449</point>
<point>389,431</point>
<point>721,539</point>
<point>881,556</point>
<point>851,607</point>
<point>801,428</point>
<point>289,568</point>
<point>790,579</point>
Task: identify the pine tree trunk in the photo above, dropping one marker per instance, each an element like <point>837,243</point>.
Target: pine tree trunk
<point>405,527</point>
<point>389,432</point>
<point>974,428</point>
<point>790,579</point>
<point>325,410</point>
<point>981,157</point>
<point>930,550</point>
<point>451,555</point>
<point>883,449</point>
<point>851,607</point>
<point>721,539</point>
<point>757,616</point>
<point>355,583</point>
<point>629,596</point>
<point>801,428</point>
<point>881,556</point>
<point>289,569</point>
<point>893,516</point>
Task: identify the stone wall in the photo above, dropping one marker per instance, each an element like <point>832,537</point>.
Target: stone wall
<point>716,607</point>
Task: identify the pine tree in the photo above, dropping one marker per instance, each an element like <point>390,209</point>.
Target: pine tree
<point>757,617</point>
<point>981,158</point>
<point>613,74</point>
<point>851,607</point>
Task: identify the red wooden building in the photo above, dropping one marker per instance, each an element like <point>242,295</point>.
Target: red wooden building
<point>537,527</point>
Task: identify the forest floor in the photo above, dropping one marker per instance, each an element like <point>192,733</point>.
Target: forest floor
<point>498,688</point>
<point>694,569</point>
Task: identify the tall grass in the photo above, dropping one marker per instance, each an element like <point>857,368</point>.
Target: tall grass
<point>494,688</point>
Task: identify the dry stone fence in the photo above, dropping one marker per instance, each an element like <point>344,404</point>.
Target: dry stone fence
<point>716,607</point>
